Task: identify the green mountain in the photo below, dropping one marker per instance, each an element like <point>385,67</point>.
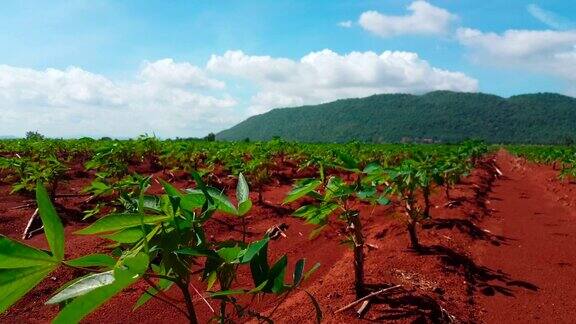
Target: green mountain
<point>440,116</point>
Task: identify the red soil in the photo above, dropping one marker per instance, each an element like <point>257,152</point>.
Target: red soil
<point>519,271</point>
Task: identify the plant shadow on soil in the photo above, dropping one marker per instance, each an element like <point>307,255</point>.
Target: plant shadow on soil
<point>467,227</point>
<point>478,277</point>
<point>403,304</point>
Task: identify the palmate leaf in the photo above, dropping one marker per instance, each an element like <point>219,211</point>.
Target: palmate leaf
<point>16,282</point>
<point>115,222</point>
<point>125,275</point>
<point>52,225</point>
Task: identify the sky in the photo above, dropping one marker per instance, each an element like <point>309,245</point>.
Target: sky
<point>187,68</point>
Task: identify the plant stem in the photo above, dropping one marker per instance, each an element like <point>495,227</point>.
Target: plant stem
<point>355,225</point>
<point>189,304</point>
<point>243,229</point>
<point>413,236</point>
<point>426,194</point>
<point>223,311</point>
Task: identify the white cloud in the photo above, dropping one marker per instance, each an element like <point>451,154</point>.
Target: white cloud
<point>166,98</point>
<point>549,18</point>
<point>424,19</point>
<point>179,99</point>
<point>325,76</point>
<point>168,72</point>
<point>548,51</point>
<point>345,24</point>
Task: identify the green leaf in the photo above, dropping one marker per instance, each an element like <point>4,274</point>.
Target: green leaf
<point>244,207</point>
<point>302,189</point>
<point>383,200</point>
<point>242,190</point>
<point>170,190</point>
<point>366,193</point>
<point>316,215</point>
<point>335,187</point>
<point>93,260</point>
<point>372,168</point>
<point>83,286</point>
<point>211,279</point>
<point>259,267</point>
<point>253,249</point>
<point>124,275</point>
<point>197,251</point>
<point>224,293</point>
<point>277,275</point>
<point>349,163</point>
<point>15,283</point>
<point>243,196</point>
<point>129,235</point>
<point>230,254</point>
<point>14,254</point>
<point>52,225</point>
<point>114,222</point>
<point>222,202</point>
<point>192,201</point>
<point>298,272</point>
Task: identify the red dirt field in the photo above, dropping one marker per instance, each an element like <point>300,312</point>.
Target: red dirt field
<point>504,254</point>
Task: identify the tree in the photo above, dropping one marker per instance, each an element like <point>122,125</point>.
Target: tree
<point>210,137</point>
<point>34,136</point>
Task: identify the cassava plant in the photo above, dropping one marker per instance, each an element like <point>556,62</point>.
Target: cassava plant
<point>336,198</point>
<point>404,182</point>
<point>161,243</point>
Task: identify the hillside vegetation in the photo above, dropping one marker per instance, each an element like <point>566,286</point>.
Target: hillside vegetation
<point>440,116</point>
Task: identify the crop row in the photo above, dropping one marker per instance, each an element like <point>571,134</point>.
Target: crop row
<point>160,238</point>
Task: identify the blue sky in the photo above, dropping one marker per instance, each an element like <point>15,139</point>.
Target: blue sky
<point>185,68</point>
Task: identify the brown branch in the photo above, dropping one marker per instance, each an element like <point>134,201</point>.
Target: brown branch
<point>352,304</point>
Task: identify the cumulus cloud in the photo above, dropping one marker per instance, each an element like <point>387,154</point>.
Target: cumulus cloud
<point>165,97</point>
<point>424,19</point>
<point>550,18</point>
<point>171,98</point>
<point>548,51</point>
<point>168,72</point>
<point>325,76</point>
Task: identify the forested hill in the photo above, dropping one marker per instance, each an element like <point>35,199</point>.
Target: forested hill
<point>443,116</point>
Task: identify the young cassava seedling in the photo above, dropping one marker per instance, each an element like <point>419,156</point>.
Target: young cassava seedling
<point>161,243</point>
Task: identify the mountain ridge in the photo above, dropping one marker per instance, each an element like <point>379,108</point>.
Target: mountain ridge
<point>438,116</point>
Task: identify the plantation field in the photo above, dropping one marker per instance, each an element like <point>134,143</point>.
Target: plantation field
<point>194,231</point>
